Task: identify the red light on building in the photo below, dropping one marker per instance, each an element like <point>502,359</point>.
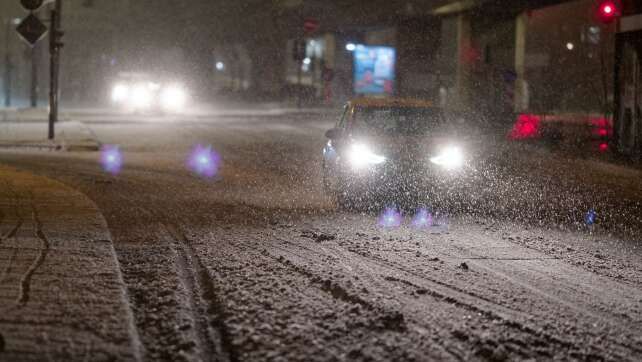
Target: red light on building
<point>601,127</point>
<point>527,126</point>
<point>604,147</point>
<point>600,122</point>
<point>608,11</point>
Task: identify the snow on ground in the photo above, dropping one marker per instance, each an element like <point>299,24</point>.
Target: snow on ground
<point>258,264</point>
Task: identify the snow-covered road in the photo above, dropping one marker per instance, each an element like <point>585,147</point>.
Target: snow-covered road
<point>257,264</point>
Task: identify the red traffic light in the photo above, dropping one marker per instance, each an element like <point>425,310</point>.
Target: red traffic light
<point>608,11</point>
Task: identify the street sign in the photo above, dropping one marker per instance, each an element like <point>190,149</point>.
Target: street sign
<point>31,5</point>
<point>310,25</point>
<point>31,29</point>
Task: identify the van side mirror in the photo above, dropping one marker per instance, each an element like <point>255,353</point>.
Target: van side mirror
<point>333,133</point>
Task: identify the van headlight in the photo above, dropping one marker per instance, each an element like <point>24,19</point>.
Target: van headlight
<point>119,93</point>
<point>360,156</point>
<point>141,96</point>
<point>173,98</point>
<point>449,158</point>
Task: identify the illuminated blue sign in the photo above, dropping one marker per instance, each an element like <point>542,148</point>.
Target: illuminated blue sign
<point>374,70</point>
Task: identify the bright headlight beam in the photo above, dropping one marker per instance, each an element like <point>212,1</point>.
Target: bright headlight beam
<point>360,156</point>
<point>450,158</point>
<point>119,93</point>
<point>141,96</point>
<point>173,98</point>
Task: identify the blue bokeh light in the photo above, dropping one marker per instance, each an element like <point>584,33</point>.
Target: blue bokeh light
<point>204,161</point>
<point>590,217</point>
<point>390,218</point>
<point>423,219</point>
<point>111,159</point>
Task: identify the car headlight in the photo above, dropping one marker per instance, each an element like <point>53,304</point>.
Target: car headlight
<point>119,93</point>
<point>173,98</point>
<point>153,86</point>
<point>360,156</point>
<point>141,96</point>
<point>449,158</point>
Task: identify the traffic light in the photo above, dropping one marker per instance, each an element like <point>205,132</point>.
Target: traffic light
<point>608,11</point>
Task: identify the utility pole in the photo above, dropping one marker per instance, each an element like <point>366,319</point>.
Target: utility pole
<point>55,34</point>
<point>299,53</point>
<point>35,59</point>
<point>7,64</point>
<point>299,67</point>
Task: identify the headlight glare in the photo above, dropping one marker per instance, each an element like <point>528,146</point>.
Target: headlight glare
<point>119,93</point>
<point>141,96</point>
<point>449,158</point>
<point>361,155</point>
<point>173,98</point>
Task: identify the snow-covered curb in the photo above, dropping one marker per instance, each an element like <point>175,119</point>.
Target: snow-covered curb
<point>62,295</point>
<point>70,136</point>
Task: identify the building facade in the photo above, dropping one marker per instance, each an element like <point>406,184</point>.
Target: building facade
<point>628,79</point>
<point>545,57</point>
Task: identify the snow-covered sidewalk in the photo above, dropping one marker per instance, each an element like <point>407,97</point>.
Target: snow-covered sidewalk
<point>62,296</point>
<point>29,128</point>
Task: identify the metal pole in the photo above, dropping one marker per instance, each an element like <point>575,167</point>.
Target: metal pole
<point>617,106</point>
<point>34,75</point>
<point>54,49</point>
<point>7,66</point>
<point>299,85</point>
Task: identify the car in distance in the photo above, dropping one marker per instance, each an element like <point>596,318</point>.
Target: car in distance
<point>142,93</point>
<point>392,150</point>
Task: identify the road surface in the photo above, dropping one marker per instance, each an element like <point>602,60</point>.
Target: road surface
<point>257,264</point>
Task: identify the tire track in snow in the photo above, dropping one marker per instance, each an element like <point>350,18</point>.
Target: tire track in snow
<point>205,306</point>
<point>392,320</point>
<point>513,319</point>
